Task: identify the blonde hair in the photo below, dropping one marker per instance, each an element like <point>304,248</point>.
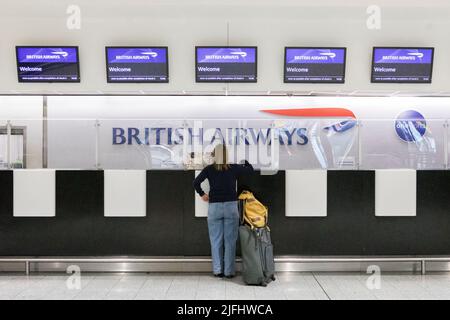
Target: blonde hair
<point>220,155</point>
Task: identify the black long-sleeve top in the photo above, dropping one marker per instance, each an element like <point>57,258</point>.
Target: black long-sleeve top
<point>222,183</point>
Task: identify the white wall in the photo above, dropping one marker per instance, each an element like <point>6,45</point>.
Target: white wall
<point>182,24</point>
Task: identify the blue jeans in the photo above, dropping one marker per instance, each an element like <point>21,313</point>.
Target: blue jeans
<point>223,227</point>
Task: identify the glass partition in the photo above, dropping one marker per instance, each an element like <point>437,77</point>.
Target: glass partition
<point>72,144</point>
<point>318,143</point>
<point>21,144</point>
<point>140,144</point>
<point>187,144</point>
<point>413,144</point>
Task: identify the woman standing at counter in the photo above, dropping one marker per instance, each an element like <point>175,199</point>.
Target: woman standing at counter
<point>223,213</point>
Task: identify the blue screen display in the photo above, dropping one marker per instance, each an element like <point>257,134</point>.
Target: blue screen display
<point>402,65</point>
<point>47,64</point>
<point>314,65</point>
<point>137,64</point>
<point>225,64</point>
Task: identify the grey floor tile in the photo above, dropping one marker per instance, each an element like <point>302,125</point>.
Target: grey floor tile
<point>210,288</point>
<point>183,288</point>
<point>237,290</point>
<point>121,294</point>
<point>103,282</point>
<point>150,294</point>
<point>61,294</point>
<point>99,294</point>
<point>32,294</point>
<point>269,293</point>
<point>203,286</point>
<point>130,283</point>
<point>157,283</point>
<point>8,295</point>
<point>345,287</point>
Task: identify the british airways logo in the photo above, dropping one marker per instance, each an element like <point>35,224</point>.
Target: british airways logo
<point>239,53</point>
<point>151,54</point>
<point>61,53</point>
<point>340,126</point>
<point>322,56</point>
<point>410,126</point>
<point>54,55</point>
<point>416,54</point>
<point>200,136</point>
<point>236,136</point>
<point>328,54</point>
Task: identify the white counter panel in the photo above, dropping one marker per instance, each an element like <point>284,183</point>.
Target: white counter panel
<point>306,193</point>
<point>395,193</point>
<point>34,193</point>
<point>125,193</point>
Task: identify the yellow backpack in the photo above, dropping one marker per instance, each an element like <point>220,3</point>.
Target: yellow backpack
<point>254,213</point>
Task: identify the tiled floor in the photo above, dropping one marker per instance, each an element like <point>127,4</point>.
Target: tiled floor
<point>203,286</point>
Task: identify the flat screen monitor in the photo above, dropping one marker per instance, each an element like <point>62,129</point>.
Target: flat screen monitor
<point>225,64</point>
<point>402,65</point>
<point>47,64</point>
<point>137,64</point>
<point>314,65</point>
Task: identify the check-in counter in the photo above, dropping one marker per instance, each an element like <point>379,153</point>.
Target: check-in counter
<point>157,213</point>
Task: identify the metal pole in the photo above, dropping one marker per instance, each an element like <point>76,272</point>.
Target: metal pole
<point>359,126</point>
<point>44,133</point>
<point>186,156</point>
<point>8,144</point>
<point>227,85</point>
<point>97,144</point>
<point>423,269</point>
<point>274,152</point>
<point>27,268</point>
<point>275,148</point>
<point>446,144</point>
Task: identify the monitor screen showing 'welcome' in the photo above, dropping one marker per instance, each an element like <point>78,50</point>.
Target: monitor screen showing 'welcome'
<point>314,65</point>
<point>47,64</point>
<point>136,64</point>
<point>225,64</point>
<point>402,65</point>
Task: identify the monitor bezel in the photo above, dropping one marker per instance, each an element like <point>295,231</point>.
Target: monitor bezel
<point>402,82</point>
<point>48,81</point>
<point>315,82</point>
<point>226,81</point>
<point>137,47</point>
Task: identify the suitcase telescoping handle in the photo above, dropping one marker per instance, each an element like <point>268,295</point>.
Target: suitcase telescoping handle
<point>241,208</point>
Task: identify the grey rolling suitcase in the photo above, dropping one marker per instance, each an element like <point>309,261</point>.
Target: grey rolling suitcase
<point>258,267</point>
